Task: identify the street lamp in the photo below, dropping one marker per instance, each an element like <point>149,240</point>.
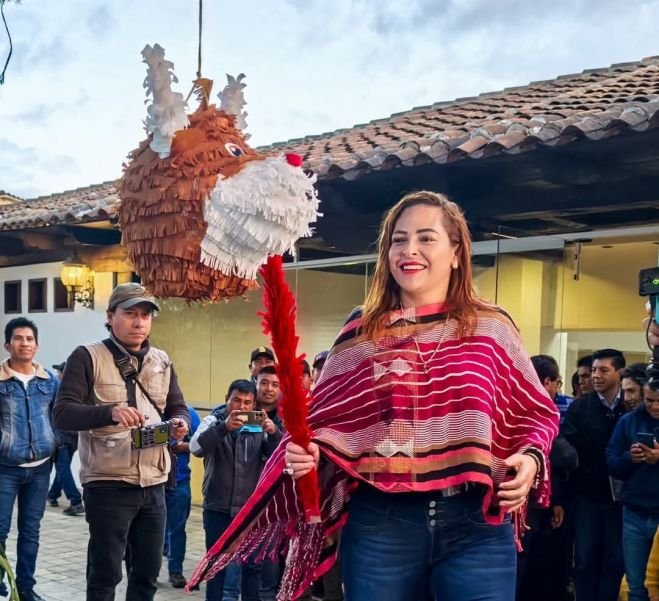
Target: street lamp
<point>79,281</point>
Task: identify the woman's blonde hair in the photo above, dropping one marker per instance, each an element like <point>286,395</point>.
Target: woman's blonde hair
<point>384,294</point>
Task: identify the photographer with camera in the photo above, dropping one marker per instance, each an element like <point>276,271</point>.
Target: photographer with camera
<point>234,441</point>
<point>122,396</point>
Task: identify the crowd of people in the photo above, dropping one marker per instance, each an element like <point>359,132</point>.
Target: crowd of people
<point>451,464</point>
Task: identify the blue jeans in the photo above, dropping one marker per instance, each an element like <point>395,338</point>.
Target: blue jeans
<point>638,534</point>
<point>425,546</point>
<point>64,478</point>
<point>30,485</point>
<point>215,523</point>
<point>178,502</point>
<point>270,577</point>
<point>232,578</point>
<point>598,565</point>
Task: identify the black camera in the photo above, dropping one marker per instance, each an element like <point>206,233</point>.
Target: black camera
<point>648,285</point>
<point>151,435</point>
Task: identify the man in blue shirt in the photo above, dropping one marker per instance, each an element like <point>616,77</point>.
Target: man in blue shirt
<point>633,457</point>
<point>178,502</point>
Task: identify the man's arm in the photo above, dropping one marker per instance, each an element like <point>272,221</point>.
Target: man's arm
<point>570,427</point>
<point>175,404</point>
<point>209,434</point>
<point>74,407</point>
<point>618,456</point>
<point>270,442</point>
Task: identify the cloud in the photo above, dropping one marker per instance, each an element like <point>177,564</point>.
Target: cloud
<point>22,168</point>
<point>50,54</point>
<point>100,21</point>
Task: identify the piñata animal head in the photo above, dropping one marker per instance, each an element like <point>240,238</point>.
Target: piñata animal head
<point>200,210</point>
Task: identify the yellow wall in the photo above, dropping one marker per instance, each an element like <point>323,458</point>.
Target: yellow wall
<point>606,295</point>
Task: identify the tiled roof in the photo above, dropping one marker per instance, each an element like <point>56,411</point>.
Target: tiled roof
<point>84,205</point>
<point>595,104</point>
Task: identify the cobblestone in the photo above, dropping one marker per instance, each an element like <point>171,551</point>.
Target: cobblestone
<point>63,557</point>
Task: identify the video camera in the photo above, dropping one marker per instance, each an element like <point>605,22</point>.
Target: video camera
<point>648,285</point>
<point>151,435</point>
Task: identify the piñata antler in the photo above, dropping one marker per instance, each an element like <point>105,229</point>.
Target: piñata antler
<point>279,317</point>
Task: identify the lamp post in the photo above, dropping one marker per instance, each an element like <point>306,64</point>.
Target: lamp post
<point>79,281</point>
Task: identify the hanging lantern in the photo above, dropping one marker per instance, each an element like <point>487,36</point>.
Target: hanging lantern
<point>78,278</point>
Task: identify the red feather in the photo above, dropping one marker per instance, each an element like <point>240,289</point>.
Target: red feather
<point>279,319</point>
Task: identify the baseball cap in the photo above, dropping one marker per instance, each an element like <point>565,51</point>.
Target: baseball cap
<point>320,358</point>
<point>59,366</point>
<point>261,351</point>
<point>130,294</point>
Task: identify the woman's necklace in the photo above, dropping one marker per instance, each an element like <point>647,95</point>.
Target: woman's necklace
<point>424,362</point>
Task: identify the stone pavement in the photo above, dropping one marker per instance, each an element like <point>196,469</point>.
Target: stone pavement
<point>63,557</point>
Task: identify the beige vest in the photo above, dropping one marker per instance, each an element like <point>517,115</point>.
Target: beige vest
<point>107,453</point>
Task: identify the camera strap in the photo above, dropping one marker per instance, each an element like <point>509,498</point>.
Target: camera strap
<point>129,375</point>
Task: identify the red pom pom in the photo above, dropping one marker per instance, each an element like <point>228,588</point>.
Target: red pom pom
<point>294,159</point>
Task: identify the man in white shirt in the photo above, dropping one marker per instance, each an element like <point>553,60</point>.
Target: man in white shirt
<point>27,441</point>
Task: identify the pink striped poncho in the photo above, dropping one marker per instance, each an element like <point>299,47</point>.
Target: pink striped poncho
<point>417,410</point>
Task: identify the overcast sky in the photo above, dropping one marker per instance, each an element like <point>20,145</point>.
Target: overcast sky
<point>72,104</point>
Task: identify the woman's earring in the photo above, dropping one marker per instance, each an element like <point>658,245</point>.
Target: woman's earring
<point>454,265</point>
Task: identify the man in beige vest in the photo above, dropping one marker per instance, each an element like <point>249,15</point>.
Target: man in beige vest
<point>123,486</point>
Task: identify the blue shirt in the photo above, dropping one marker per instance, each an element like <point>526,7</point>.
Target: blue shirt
<point>183,459</point>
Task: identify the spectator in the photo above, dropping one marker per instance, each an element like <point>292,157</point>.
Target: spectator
<point>543,564</point>
<point>27,440</point>
<point>178,501</point>
<point>588,425</point>
<point>233,460</point>
<point>124,490</point>
<point>317,366</point>
<point>268,395</point>
<point>635,461</point>
<point>260,358</point>
<point>584,368</point>
<point>307,381</point>
<point>633,380</point>
<point>67,445</point>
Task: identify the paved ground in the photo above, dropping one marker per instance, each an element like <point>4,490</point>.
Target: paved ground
<point>62,558</point>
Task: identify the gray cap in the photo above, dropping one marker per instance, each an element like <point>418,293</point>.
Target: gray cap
<point>130,294</point>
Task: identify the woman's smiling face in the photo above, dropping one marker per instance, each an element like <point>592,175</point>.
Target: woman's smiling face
<point>421,256</point>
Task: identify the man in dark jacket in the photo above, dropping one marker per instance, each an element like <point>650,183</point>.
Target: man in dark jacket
<point>633,457</point>
<point>234,455</point>
<point>542,565</point>
<point>588,426</point>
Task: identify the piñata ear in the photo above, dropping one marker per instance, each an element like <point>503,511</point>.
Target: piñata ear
<point>166,114</point>
<point>232,101</point>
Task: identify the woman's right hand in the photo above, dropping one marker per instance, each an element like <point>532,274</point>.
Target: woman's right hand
<point>301,460</point>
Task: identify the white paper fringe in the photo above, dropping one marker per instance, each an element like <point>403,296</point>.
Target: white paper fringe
<point>232,101</point>
<point>166,114</point>
<point>260,211</point>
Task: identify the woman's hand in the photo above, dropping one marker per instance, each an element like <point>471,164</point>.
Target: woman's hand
<point>513,493</point>
<point>301,461</point>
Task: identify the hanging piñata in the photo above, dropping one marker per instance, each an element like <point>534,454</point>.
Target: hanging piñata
<point>200,210</point>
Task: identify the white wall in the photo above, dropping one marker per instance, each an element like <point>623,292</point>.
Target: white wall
<point>59,332</point>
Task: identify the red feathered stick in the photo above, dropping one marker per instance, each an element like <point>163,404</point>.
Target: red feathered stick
<point>279,323</point>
